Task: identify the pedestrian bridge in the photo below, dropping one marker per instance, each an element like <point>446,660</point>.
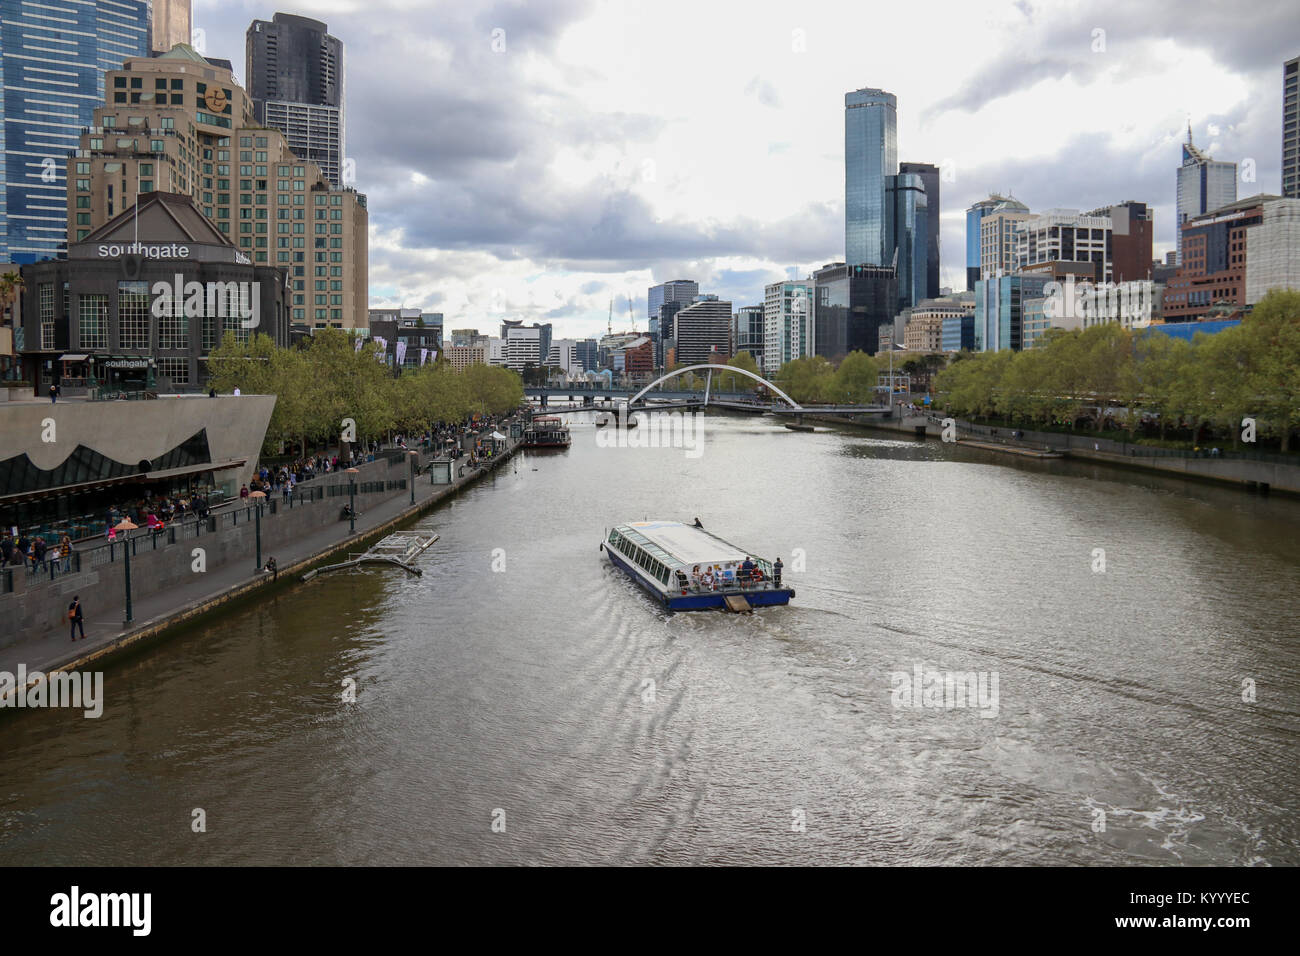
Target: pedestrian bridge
<point>737,401</point>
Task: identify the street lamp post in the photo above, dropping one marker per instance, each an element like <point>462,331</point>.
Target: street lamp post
<point>413,456</point>
<point>352,501</point>
<point>257,533</point>
<point>126,554</point>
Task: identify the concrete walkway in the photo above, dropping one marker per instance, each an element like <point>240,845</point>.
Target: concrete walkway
<point>106,634</point>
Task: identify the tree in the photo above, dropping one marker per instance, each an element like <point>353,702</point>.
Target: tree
<point>730,382</point>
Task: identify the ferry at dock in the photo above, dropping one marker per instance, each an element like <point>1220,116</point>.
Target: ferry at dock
<point>688,569</point>
<point>547,431</point>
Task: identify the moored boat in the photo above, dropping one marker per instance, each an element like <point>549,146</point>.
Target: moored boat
<point>547,431</point>
<point>688,569</point>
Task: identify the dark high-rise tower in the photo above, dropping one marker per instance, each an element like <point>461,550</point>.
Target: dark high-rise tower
<point>929,174</point>
<point>295,77</point>
<point>1291,129</point>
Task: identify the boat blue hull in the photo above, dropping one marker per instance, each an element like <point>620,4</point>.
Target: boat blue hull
<point>701,602</point>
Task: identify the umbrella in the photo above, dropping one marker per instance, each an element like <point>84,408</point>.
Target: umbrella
<point>257,494</point>
<point>126,524</point>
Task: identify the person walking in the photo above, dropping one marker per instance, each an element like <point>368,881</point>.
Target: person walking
<point>65,550</point>
<point>54,393</point>
<point>76,618</point>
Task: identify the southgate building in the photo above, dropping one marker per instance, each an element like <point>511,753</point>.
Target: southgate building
<point>140,303</point>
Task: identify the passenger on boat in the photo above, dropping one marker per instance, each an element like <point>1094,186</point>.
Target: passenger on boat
<point>695,577</point>
<point>707,580</point>
<point>776,572</point>
<point>746,571</point>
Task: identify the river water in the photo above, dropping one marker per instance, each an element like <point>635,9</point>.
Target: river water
<point>548,712</point>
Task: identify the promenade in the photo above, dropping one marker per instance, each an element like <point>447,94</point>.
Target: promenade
<point>198,594</point>
<point>1252,474</point>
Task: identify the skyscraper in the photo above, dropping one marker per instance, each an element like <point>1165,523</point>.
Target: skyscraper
<point>675,290</point>
<point>169,24</point>
<point>851,304</point>
<point>703,330</point>
<point>295,77</point>
<point>51,77</point>
<point>974,217</point>
<point>929,174</point>
<point>870,154</point>
<point>789,331</point>
<point>1203,186</point>
<point>1291,129</point>
<point>907,221</point>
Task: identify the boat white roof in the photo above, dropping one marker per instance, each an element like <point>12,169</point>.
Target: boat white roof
<point>688,544</point>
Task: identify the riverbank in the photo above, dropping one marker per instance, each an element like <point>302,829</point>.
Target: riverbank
<point>199,595</point>
<point>1242,473</point>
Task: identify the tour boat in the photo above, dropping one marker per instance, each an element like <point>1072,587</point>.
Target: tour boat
<point>547,432</point>
<point>688,569</point>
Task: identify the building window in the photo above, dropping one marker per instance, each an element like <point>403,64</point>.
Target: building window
<point>176,369</point>
<point>93,324</point>
<point>133,315</point>
<point>46,313</point>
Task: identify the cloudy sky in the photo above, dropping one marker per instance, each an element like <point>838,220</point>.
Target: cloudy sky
<point>535,160</point>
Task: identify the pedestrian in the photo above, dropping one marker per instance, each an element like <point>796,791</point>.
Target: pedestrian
<point>65,548</point>
<point>76,619</point>
<point>212,393</point>
<point>54,393</point>
<point>243,491</point>
<point>236,389</point>
<point>6,550</point>
<point>776,572</point>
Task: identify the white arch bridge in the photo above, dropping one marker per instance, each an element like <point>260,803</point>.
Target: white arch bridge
<point>679,399</point>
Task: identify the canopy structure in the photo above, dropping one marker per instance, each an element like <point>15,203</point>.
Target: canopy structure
<point>498,436</point>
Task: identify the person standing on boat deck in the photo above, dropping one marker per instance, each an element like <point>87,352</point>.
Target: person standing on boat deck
<point>776,572</point>
<point>697,523</point>
<point>746,570</point>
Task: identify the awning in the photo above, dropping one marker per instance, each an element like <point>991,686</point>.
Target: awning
<point>73,358</point>
<point>37,493</point>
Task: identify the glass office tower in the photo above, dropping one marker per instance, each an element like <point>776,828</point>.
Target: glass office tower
<point>52,66</point>
<point>906,235</point>
<point>870,155</point>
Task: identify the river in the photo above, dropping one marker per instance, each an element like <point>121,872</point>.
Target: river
<point>525,703</point>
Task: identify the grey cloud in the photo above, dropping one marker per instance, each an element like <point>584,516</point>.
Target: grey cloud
<point>1058,43</point>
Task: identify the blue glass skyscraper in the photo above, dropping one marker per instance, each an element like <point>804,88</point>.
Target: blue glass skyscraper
<point>870,154</point>
<point>906,235</point>
<point>53,57</point>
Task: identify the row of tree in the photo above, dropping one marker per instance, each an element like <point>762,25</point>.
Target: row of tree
<point>329,380</point>
<point>1144,378</point>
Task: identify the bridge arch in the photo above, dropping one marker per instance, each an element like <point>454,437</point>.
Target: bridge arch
<point>720,369</point>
